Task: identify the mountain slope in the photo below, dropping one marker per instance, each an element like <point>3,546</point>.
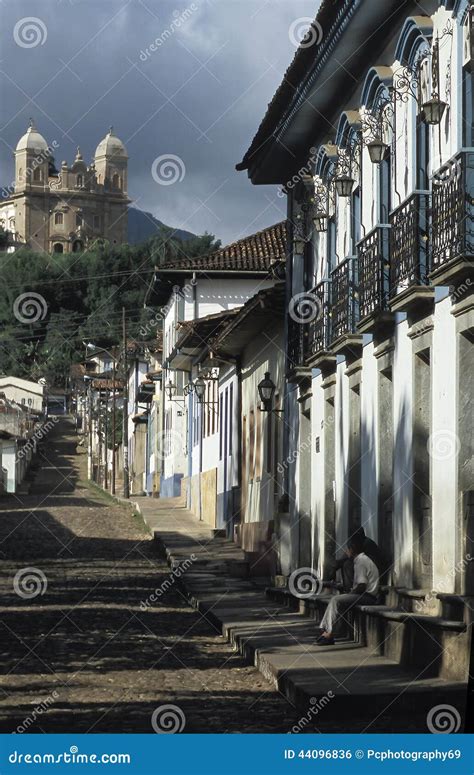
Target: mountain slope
<point>142,226</point>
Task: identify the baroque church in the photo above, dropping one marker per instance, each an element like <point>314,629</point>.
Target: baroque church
<point>65,210</point>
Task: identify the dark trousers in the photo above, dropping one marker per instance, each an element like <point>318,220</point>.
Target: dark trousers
<point>346,566</point>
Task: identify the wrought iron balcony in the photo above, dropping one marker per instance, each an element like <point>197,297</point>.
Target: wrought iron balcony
<point>319,329</point>
<point>344,298</point>
<point>374,272</point>
<point>409,254</point>
<point>452,242</point>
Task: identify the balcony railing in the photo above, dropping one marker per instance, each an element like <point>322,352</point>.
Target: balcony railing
<point>373,271</point>
<point>453,210</point>
<point>409,256</point>
<point>344,301</point>
<point>297,343</point>
<point>319,330</point>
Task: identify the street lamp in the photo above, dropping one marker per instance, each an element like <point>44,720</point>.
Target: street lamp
<point>377,150</point>
<point>200,389</point>
<point>171,389</point>
<point>344,185</point>
<point>320,220</point>
<point>433,110</point>
<point>266,390</point>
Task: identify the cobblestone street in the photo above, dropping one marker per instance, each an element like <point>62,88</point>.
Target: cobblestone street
<point>83,656</point>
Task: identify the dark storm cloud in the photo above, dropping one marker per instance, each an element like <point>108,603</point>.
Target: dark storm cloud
<point>189,79</point>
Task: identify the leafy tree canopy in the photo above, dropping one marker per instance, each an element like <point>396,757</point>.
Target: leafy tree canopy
<point>51,304</point>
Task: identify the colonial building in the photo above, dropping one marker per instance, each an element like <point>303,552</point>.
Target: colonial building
<point>200,297</point>
<point>63,211</point>
<point>378,170</point>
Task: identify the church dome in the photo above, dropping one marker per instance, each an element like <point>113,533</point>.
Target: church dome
<point>32,140</point>
<point>111,145</point>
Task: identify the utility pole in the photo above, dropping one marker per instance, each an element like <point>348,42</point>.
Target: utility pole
<point>106,444</point>
<point>89,429</point>
<point>126,488</point>
<point>112,487</point>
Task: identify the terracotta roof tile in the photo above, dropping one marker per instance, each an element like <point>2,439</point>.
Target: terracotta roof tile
<point>255,253</point>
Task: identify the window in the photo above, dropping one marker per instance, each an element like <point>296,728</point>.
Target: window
<point>225,422</point>
<point>79,181</point>
<point>117,181</point>
<point>384,173</point>
<point>467,107</point>
<point>355,218</point>
<point>96,221</point>
<point>422,154</point>
<point>252,444</point>
<point>58,219</point>
<point>221,430</point>
<point>38,175</point>
<point>58,248</point>
<point>331,257</point>
<point>78,219</point>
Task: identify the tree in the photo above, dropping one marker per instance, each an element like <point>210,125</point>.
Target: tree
<point>78,297</point>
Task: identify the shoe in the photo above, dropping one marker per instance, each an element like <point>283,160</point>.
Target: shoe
<point>322,641</point>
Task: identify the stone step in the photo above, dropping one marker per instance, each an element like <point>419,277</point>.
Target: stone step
<point>347,679</point>
<point>437,646</point>
<point>434,644</point>
<point>277,633</point>
<point>459,607</point>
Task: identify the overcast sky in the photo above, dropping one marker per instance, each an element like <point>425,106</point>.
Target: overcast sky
<point>79,66</point>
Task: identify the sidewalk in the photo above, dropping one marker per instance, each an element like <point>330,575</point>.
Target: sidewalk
<point>345,681</point>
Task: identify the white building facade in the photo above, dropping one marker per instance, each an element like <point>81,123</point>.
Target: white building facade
<point>379,173</point>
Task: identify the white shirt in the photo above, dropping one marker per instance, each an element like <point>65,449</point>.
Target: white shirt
<point>366,572</point>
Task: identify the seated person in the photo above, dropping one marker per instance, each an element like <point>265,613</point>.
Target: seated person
<point>364,591</point>
<point>346,563</point>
